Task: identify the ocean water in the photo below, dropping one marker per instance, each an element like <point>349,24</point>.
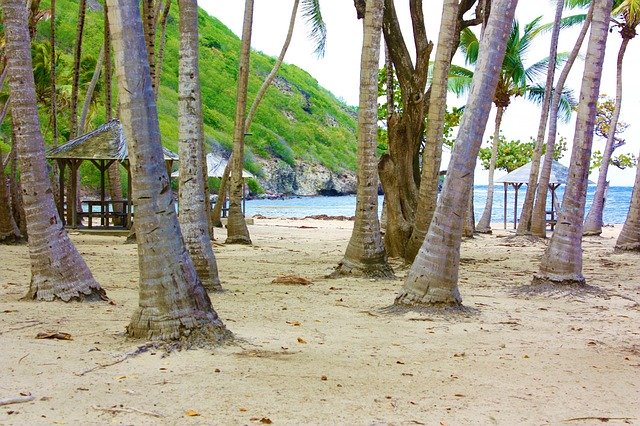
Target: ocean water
<point>615,209</point>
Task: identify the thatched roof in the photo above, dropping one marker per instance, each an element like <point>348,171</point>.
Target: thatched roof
<point>559,174</point>
<point>106,142</point>
<point>216,166</point>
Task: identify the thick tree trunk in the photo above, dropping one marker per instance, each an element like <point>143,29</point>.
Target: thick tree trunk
<point>562,260</point>
<point>593,223</point>
<point>365,255</point>
<point>524,225</point>
<point>194,221</point>
<point>432,156</point>
<point>57,269</point>
<point>433,277</point>
<point>237,231</point>
<point>538,217</point>
<point>629,238</point>
<point>173,303</point>
<point>484,225</point>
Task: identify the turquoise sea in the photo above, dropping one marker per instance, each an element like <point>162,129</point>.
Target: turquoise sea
<point>615,209</point>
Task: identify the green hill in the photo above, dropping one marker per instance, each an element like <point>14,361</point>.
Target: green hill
<point>297,121</point>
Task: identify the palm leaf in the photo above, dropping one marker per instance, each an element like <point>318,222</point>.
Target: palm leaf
<point>567,104</point>
<point>469,45</point>
<point>318,29</point>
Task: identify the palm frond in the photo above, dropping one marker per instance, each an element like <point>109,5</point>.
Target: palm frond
<point>567,104</point>
<point>630,10</point>
<point>469,46</point>
<point>573,4</point>
<point>318,29</point>
<point>459,80</point>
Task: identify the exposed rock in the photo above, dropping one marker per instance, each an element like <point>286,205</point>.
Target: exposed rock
<point>305,179</point>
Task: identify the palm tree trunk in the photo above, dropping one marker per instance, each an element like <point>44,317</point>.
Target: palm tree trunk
<point>163,39</point>
<point>54,95</point>
<point>593,223</point>
<point>562,260</point>
<point>538,217</point>
<point>9,231</point>
<point>237,231</point>
<point>194,221</point>
<point>77,54</point>
<point>524,224</point>
<point>629,238</point>
<point>432,155</point>
<point>433,277</point>
<point>484,225</point>
<point>173,303</point>
<point>92,87</point>
<point>365,255</point>
<point>57,269</point>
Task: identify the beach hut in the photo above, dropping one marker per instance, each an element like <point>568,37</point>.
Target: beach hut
<point>101,147</point>
<point>520,176</point>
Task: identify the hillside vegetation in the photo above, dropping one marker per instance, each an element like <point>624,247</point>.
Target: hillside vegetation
<point>297,121</point>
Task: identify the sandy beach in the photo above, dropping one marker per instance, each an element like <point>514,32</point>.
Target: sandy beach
<point>333,352</point>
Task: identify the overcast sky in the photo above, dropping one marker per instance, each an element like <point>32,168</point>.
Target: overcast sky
<point>339,70</point>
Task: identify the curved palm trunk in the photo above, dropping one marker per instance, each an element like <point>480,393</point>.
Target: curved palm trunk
<point>562,260</point>
<point>524,224</point>
<point>629,238</point>
<point>432,155</point>
<point>484,225</point>
<point>173,303</point>
<point>237,231</point>
<point>365,255</point>
<point>538,217</point>
<point>593,223</point>
<point>193,218</point>
<point>163,40</point>
<point>77,54</point>
<point>57,269</point>
<point>433,277</point>
<point>90,90</point>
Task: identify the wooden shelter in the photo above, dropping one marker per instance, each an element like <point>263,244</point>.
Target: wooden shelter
<point>520,176</point>
<point>101,147</point>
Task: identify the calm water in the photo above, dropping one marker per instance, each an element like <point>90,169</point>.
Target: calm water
<point>615,209</point>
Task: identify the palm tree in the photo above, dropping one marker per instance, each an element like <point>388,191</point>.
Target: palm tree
<point>193,217</point>
<point>365,254</point>
<point>525,215</point>
<point>432,154</point>
<point>562,260</point>
<point>629,10</point>
<point>57,269</point>
<point>433,277</point>
<point>629,238</point>
<point>237,231</point>
<point>538,217</point>
<point>173,303</point>
<point>77,54</point>
<point>515,80</point>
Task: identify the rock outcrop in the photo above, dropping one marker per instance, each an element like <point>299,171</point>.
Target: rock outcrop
<point>305,178</point>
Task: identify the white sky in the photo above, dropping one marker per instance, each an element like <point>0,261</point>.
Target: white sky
<point>339,70</point>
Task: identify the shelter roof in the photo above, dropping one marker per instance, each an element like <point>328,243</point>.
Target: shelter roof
<point>559,174</point>
<point>106,142</point>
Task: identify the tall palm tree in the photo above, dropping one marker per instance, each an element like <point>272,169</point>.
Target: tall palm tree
<point>629,11</point>
<point>562,260</point>
<point>538,216</point>
<point>77,54</point>
<point>57,269</point>
<point>365,254</point>
<point>515,80</point>
<point>629,238</point>
<point>173,304</point>
<point>433,277</point>
<point>432,154</point>
<point>237,231</point>
<point>525,215</point>
<point>194,221</point>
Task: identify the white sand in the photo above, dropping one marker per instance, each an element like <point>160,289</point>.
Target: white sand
<point>329,353</point>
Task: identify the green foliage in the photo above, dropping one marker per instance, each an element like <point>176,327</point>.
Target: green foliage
<point>297,119</point>
<point>514,153</point>
<point>604,113</point>
<point>254,187</point>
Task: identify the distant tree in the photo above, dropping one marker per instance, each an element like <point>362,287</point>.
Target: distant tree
<point>629,238</point>
<point>514,153</point>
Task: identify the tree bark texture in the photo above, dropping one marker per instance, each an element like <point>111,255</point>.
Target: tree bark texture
<point>432,155</point>
<point>57,269</point>
<point>237,231</point>
<point>365,254</point>
<point>524,225</point>
<point>194,221</point>
<point>562,260</point>
<point>173,303</point>
<point>538,218</point>
<point>9,231</point>
<point>77,55</point>
<point>433,277</point>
